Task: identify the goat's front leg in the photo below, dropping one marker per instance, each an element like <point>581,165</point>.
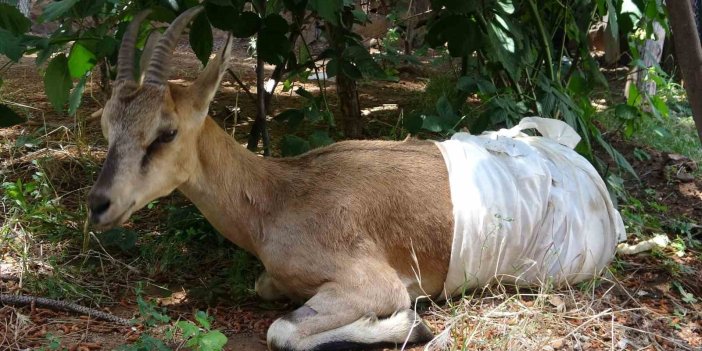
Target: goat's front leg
<point>345,316</point>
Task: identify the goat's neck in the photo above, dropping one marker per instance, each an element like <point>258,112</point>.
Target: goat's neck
<point>231,186</point>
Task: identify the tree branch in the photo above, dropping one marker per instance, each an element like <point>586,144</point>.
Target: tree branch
<point>20,300</point>
<point>241,84</point>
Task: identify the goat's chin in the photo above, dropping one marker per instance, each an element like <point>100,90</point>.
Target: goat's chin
<point>115,221</point>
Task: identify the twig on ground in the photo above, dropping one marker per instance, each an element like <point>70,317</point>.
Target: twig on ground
<point>9,278</point>
<point>18,300</point>
<point>242,85</point>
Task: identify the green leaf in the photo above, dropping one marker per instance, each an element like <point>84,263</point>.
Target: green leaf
<point>202,319</point>
<point>272,47</point>
<point>188,329</point>
<point>11,45</point>
<point>56,9</point>
<point>662,132</point>
<point>292,145</point>
<point>626,112</point>
<point>687,297</point>
<point>363,64</point>
<point>577,84</point>
<point>328,117</point>
<point>613,22</point>
<point>432,123</point>
<point>274,6</point>
<point>312,113</point>
<point>246,25</point>
<point>276,23</point>
<point>634,98</point>
<point>201,38</point>
<point>121,238</point>
<point>212,341</point>
<point>618,158</point>
<point>500,29</point>
<point>660,107</point>
<point>472,84</point>
<point>333,68</point>
<point>506,6</point>
<point>360,16</point>
<point>293,117</point>
<point>629,15</point>
<point>320,138</point>
<point>444,108</point>
<point>295,5</point>
<point>145,343</point>
<point>87,8</point>
<point>504,47</point>
<point>460,32</point>
<point>480,124</point>
<point>304,93</point>
<point>76,96</point>
<point>329,10</point>
<point>8,117</point>
<point>350,70</point>
<point>106,47</point>
<point>57,82</point>
<point>13,20</point>
<point>413,123</point>
<point>80,60</point>
<point>467,84</point>
<point>222,17</point>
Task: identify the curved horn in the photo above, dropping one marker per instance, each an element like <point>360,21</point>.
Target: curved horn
<point>159,67</point>
<point>125,59</point>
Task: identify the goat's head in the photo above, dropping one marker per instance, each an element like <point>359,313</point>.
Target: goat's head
<point>151,126</point>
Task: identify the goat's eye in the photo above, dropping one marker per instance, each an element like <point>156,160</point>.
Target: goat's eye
<point>167,136</point>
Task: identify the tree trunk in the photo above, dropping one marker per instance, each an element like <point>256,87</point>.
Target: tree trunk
<point>651,53</point>
<point>611,43</point>
<point>259,128</point>
<point>346,88</point>
<point>689,54</point>
<point>350,109</point>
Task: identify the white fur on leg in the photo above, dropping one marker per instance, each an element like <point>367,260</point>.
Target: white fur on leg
<point>400,327</point>
<point>282,335</point>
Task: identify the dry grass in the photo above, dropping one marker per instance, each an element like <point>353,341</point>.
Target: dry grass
<point>606,317</point>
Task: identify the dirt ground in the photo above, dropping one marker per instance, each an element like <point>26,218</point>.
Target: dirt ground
<point>634,307</point>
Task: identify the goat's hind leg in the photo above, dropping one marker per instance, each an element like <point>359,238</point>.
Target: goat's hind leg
<point>267,289</point>
<point>329,321</point>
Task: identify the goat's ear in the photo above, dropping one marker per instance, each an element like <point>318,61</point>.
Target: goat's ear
<point>148,50</point>
<point>204,88</point>
<point>97,115</point>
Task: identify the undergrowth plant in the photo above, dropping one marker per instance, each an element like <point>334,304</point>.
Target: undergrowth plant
<point>516,59</point>
<point>161,332</point>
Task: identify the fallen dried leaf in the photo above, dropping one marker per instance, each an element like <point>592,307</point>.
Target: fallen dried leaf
<point>92,345</point>
<point>557,344</point>
<point>557,302</point>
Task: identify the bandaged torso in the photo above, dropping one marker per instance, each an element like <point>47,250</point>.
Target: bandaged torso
<point>527,210</point>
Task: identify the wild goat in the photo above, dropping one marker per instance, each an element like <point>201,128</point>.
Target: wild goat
<point>358,229</point>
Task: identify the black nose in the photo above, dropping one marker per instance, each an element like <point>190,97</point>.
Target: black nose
<point>98,204</point>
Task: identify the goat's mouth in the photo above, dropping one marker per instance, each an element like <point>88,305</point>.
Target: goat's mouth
<point>103,222</point>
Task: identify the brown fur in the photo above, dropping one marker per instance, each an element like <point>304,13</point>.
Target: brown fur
<point>353,199</point>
